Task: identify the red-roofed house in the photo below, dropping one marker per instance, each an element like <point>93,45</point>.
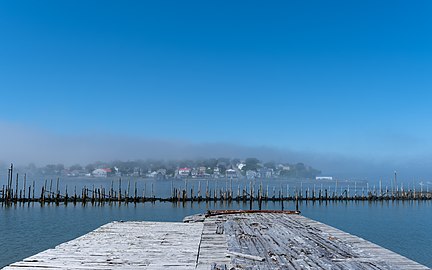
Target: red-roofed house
<point>184,172</point>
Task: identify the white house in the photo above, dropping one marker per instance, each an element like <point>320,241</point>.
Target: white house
<point>101,172</point>
<point>152,174</point>
<point>324,178</point>
<point>230,173</point>
<point>184,172</point>
<point>240,166</point>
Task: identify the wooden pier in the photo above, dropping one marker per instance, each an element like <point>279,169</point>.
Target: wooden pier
<point>219,240</point>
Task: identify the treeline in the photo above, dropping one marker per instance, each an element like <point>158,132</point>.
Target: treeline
<point>210,166</point>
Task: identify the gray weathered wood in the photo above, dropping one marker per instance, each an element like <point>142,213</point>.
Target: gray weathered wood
<point>224,241</point>
<point>296,242</point>
<point>129,245</point>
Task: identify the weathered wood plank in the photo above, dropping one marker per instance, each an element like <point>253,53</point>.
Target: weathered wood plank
<point>129,245</point>
<point>296,242</point>
<point>213,246</point>
<point>232,241</point>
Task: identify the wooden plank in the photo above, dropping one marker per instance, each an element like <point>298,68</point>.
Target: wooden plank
<point>213,247</point>
<point>296,242</point>
<point>129,245</point>
<point>234,241</point>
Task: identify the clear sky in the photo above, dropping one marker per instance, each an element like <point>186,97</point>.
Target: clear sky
<point>346,77</point>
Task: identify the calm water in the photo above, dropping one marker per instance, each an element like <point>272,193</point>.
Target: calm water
<point>404,227</point>
<point>163,188</point>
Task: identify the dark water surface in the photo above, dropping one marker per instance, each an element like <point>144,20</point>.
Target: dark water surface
<point>404,227</point>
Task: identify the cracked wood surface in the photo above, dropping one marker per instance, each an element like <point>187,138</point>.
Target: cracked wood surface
<point>296,242</point>
<point>231,241</point>
<point>124,245</point>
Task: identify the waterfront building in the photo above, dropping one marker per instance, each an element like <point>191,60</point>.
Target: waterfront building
<point>324,178</point>
<point>184,172</point>
<point>101,172</point>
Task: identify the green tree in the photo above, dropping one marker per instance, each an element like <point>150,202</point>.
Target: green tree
<point>89,168</point>
<point>75,167</point>
<point>270,165</point>
<point>251,164</point>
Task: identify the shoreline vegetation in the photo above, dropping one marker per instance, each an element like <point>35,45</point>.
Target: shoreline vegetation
<point>250,168</point>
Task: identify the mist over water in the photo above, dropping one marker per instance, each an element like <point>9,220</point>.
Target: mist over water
<point>23,145</point>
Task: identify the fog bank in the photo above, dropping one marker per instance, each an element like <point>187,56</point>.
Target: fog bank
<point>23,145</point>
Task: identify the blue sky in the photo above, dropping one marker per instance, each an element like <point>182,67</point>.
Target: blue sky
<point>345,77</point>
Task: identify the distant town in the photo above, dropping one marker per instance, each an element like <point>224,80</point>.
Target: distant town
<point>204,168</point>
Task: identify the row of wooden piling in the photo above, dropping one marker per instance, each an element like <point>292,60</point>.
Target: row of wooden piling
<point>182,195</point>
<point>12,194</point>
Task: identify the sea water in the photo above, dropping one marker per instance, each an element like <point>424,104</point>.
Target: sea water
<point>404,227</point>
<point>401,226</point>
